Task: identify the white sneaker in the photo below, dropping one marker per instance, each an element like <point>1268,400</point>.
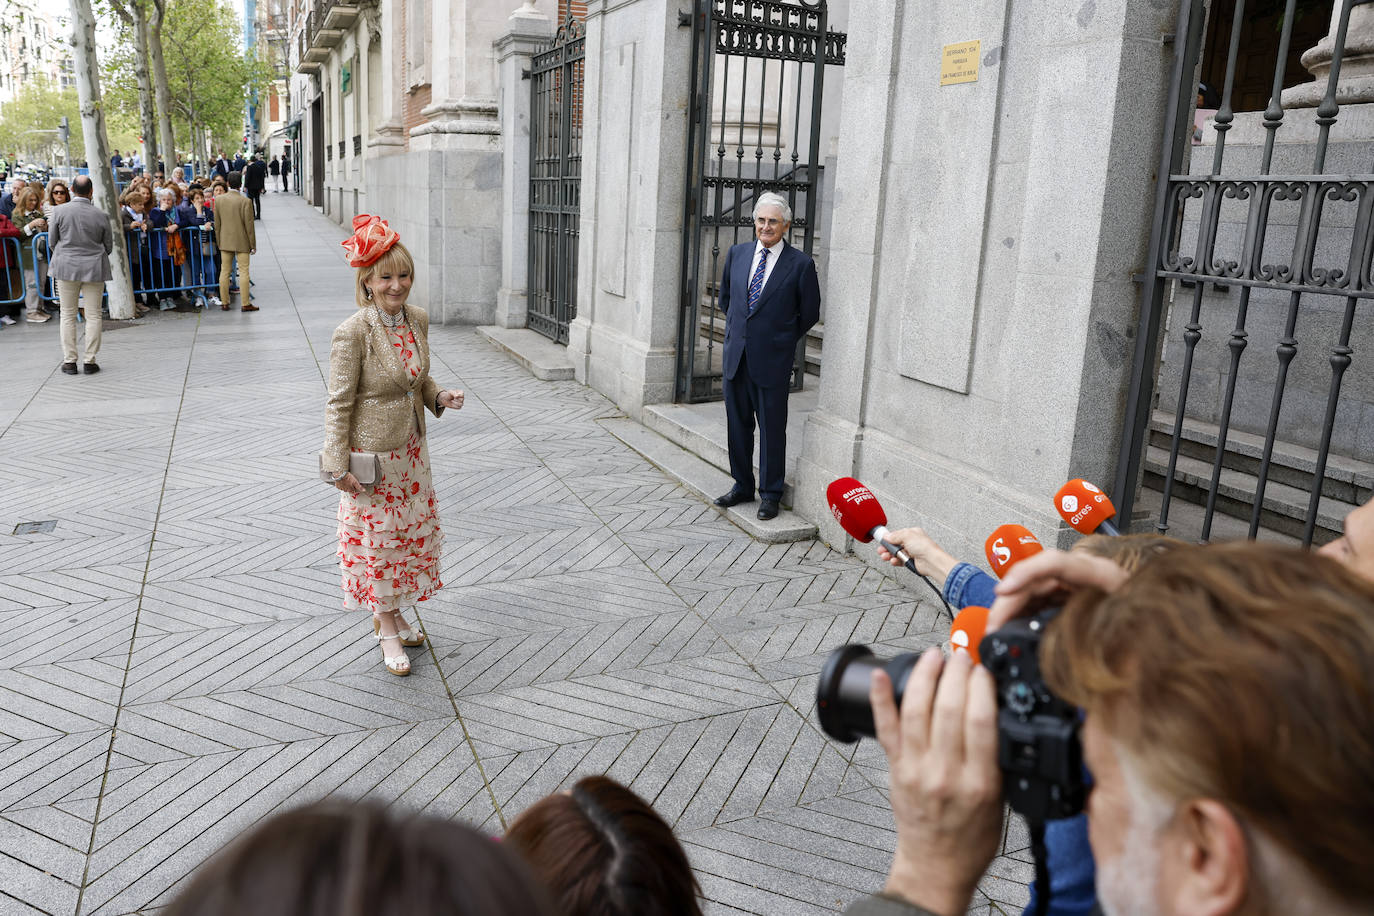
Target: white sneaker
<point>7,320</point>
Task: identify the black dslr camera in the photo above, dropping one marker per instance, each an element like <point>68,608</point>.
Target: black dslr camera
<point>1038,745</point>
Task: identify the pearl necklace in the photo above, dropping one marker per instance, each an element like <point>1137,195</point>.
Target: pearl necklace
<point>391,321</point>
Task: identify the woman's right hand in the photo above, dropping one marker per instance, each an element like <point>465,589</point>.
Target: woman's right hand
<point>349,484</point>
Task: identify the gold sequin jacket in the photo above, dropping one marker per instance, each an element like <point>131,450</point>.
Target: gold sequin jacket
<point>372,399</point>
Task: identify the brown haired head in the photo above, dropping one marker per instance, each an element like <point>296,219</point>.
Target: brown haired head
<point>602,851</point>
<point>1129,551</point>
<point>1242,673</point>
<point>340,858</point>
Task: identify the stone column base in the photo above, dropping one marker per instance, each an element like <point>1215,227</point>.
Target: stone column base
<point>512,307</point>
<point>628,371</point>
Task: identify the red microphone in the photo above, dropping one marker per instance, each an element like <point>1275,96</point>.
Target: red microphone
<point>861,515</point>
<point>967,631</point>
<point>1009,545</point>
<point>1086,508</point>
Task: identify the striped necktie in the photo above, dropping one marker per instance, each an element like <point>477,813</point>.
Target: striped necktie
<point>756,284</point>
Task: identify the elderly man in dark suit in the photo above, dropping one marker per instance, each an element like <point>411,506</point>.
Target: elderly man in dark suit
<point>80,241</point>
<point>771,297</point>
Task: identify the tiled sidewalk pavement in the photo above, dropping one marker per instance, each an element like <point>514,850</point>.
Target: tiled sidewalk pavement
<point>178,664</point>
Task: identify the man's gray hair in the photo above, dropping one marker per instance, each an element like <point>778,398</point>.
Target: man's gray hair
<point>773,199</point>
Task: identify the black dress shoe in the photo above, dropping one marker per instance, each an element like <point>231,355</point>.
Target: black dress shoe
<point>69,368</point>
<point>768,509</point>
<point>92,368</point>
<point>734,498</point>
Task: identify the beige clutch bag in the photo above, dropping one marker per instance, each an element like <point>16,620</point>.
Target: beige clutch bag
<point>365,466</point>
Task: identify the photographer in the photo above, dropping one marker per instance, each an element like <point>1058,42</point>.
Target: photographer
<point>1229,728</point>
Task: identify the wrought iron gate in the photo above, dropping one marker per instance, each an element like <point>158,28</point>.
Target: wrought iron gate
<point>1271,243</point>
<point>555,181</point>
<point>758,72</point>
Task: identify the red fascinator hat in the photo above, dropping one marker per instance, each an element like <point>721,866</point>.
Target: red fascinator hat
<point>371,239</point>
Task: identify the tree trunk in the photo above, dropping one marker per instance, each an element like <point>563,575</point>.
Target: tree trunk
<point>166,142</point>
<point>146,115</point>
<point>87,70</point>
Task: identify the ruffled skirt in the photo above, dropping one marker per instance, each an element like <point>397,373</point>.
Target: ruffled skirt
<point>389,539</point>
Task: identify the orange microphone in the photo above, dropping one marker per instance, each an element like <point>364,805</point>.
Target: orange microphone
<point>1085,507</point>
<point>967,631</point>
<point>1009,545</point>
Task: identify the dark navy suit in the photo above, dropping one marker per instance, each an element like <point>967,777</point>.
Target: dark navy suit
<point>759,351</point>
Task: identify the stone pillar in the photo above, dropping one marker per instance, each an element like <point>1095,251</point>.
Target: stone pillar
<point>463,94</point>
<point>623,341</point>
<point>1356,82</point>
<point>389,135</point>
<point>528,30</point>
<point>835,430</point>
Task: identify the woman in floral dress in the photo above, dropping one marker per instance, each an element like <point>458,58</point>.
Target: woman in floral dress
<point>379,389</point>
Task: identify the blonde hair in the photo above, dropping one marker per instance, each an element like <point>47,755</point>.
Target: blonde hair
<point>25,193</point>
<point>397,259</point>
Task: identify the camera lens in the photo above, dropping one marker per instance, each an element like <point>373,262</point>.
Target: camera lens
<point>842,691</point>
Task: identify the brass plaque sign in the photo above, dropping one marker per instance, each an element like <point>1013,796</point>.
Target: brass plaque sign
<point>959,63</point>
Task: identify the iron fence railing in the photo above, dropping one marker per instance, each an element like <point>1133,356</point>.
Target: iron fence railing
<point>1259,238</point>
<point>556,106</point>
<point>754,125</point>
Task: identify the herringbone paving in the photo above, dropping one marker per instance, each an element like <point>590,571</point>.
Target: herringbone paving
<point>179,665</point>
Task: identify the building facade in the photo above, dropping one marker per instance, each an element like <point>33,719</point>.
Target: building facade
<point>32,47</point>
<point>994,192</point>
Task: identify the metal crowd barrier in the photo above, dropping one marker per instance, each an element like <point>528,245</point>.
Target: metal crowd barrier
<point>10,255</point>
<point>153,274</point>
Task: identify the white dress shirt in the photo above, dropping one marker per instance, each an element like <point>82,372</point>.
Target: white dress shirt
<point>774,252</point>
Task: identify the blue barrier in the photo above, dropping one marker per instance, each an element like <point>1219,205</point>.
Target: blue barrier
<point>151,267</point>
<point>10,259</point>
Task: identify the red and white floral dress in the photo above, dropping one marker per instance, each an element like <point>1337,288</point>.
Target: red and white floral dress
<point>389,539</point>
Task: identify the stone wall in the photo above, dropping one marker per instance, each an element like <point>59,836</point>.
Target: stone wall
<point>446,205</point>
<point>981,308</point>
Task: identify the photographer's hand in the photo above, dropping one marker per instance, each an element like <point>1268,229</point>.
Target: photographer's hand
<point>946,787</point>
<point>931,560</point>
<point>1035,579</point>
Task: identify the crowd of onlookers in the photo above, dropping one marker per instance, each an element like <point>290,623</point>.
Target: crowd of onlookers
<point>169,233</point>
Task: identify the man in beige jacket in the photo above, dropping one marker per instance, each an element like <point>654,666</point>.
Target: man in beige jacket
<point>237,241</point>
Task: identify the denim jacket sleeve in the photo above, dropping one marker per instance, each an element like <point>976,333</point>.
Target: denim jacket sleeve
<point>968,585</point>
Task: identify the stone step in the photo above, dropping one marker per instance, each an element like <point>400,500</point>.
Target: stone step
<point>545,359</point>
<point>1285,506</point>
<point>708,482</point>
<point>701,430</point>
<point>1347,480</point>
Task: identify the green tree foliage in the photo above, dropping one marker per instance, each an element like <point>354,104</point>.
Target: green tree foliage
<point>40,106</point>
<point>208,75</point>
